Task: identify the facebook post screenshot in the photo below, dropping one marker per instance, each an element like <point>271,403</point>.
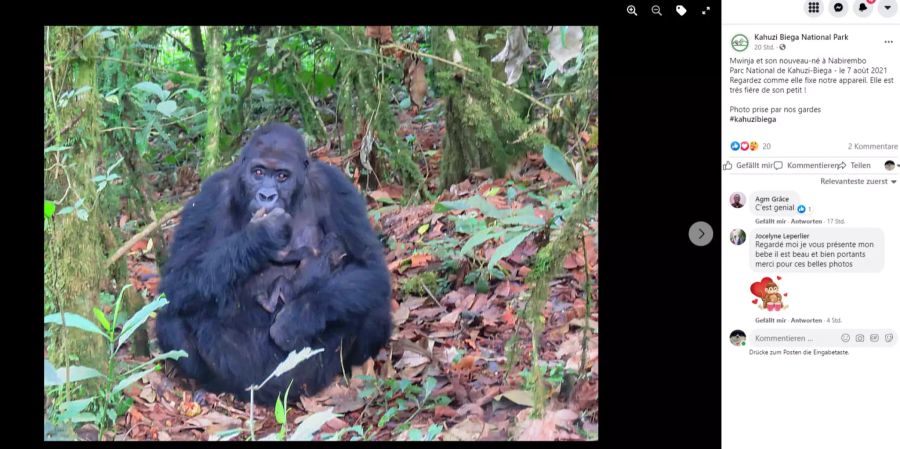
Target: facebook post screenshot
<point>753,218</point>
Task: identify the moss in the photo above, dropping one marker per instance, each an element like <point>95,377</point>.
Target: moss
<point>416,284</point>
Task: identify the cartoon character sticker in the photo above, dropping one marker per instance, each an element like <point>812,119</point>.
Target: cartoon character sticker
<point>768,295</point>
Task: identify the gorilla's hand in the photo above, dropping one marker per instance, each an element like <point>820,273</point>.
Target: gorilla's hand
<point>296,325</point>
<point>273,229</point>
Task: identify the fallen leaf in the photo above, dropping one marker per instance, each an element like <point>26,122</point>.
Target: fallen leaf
<point>443,411</point>
<point>466,363</point>
<point>470,409</point>
<point>410,359</point>
<point>163,436</point>
<point>520,397</point>
<point>419,260</point>
<point>400,315</point>
<point>468,430</point>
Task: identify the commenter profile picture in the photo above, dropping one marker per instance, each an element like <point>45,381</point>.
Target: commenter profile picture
<point>738,338</point>
<point>890,165</point>
<point>738,236</point>
<point>737,200</point>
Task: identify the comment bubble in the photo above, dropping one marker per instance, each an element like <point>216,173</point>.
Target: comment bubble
<point>775,203</point>
<point>817,250</point>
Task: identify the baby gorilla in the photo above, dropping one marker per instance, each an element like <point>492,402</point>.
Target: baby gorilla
<point>308,258</point>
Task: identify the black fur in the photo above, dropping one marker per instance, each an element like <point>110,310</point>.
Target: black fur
<point>232,342</point>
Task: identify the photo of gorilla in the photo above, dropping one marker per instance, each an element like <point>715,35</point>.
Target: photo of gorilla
<point>273,228</point>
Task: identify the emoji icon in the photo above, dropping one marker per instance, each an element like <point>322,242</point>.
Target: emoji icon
<point>735,146</point>
<point>744,145</point>
<point>753,146</point>
<point>845,338</point>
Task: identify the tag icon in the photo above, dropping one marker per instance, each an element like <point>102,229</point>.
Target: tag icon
<point>680,10</point>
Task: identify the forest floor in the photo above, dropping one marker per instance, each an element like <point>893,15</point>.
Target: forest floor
<point>453,343</point>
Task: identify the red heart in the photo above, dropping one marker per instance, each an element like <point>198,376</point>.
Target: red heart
<point>759,288</point>
<point>785,295</point>
<point>778,277</point>
<point>755,301</point>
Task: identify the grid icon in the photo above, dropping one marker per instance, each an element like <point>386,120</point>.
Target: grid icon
<point>813,7</point>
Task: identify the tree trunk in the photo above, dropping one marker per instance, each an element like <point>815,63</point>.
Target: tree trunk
<point>483,129</point>
<point>77,267</point>
<point>211,156</point>
<point>198,52</point>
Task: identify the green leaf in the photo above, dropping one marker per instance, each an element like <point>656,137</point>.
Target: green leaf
<point>107,34</point>
<point>406,103</point>
<point>124,383</point>
<point>552,67</point>
<point>138,319</point>
<point>74,320</point>
<point>70,410</point>
<point>81,90</point>
<point>472,202</point>
<point>562,35</point>
<point>510,244</point>
<point>430,383</point>
<point>152,88</point>
<point>49,208</point>
<point>390,413</point>
<point>468,225</point>
<point>50,376</point>
<point>167,108</point>
<point>312,424</point>
<point>493,191</point>
<point>279,411</point>
<point>557,162</point>
<point>78,373</point>
<point>82,214</point>
<point>101,318</point>
<point>423,229</point>
<point>54,148</point>
<point>477,239</point>
<point>433,431</point>
<point>66,210</point>
<point>225,435</point>
<point>523,219</point>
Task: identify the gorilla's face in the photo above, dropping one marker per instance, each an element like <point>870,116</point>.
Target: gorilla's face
<point>273,170</point>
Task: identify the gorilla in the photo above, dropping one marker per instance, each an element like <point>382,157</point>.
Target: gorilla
<point>226,251</point>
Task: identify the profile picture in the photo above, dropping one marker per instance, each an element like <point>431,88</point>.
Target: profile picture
<point>738,236</point>
<point>737,200</point>
<point>738,338</point>
<point>890,165</point>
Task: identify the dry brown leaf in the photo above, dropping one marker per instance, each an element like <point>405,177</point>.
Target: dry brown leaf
<point>468,430</point>
<point>411,359</point>
<point>401,314</point>
<point>163,436</point>
<point>415,81</point>
<point>420,260</point>
<point>451,318</point>
<point>443,411</point>
<point>465,363</point>
<point>382,33</point>
<point>520,397</point>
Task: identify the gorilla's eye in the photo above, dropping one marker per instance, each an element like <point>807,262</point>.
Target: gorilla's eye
<point>306,163</point>
<point>258,172</point>
<point>282,177</point>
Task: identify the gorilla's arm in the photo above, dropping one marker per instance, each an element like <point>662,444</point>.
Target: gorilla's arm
<point>342,211</point>
<point>352,293</point>
<point>207,258</point>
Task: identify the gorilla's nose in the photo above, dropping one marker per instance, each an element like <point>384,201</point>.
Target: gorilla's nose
<point>267,197</point>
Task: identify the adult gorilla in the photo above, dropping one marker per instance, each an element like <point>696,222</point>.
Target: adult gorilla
<point>214,317</point>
